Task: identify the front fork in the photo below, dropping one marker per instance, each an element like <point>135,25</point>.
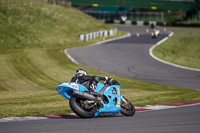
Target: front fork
<point>122,99</point>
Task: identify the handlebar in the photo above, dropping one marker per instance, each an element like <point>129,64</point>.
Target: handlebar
<point>112,82</point>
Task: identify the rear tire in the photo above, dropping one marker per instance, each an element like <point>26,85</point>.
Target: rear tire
<point>77,108</point>
<point>127,108</point>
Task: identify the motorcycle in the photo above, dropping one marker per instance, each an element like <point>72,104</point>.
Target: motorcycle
<point>155,34</point>
<point>107,101</point>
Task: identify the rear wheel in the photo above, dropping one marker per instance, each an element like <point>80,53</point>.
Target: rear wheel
<point>78,107</point>
<point>127,107</point>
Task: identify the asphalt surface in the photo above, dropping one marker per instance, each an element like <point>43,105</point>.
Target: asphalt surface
<point>129,57</point>
<point>177,120</point>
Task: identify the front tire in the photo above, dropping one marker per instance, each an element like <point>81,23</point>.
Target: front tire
<point>75,104</point>
<point>127,107</point>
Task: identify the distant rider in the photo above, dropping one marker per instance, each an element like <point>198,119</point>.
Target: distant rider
<point>89,82</point>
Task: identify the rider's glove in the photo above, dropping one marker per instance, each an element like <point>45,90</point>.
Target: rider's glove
<point>108,79</point>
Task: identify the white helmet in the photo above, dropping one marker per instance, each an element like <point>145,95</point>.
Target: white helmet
<point>81,72</point>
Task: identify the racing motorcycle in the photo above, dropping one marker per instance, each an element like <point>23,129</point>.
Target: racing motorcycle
<point>155,33</point>
<point>107,101</point>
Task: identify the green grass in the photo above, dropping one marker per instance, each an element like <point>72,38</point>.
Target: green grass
<point>179,34</point>
<point>33,63</point>
<point>183,50</point>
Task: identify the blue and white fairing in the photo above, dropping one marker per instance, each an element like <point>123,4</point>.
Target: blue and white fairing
<point>111,93</point>
<point>66,89</point>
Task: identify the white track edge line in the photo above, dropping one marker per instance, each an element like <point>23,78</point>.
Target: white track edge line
<point>70,57</point>
<point>170,107</point>
<point>27,118</point>
<point>166,62</point>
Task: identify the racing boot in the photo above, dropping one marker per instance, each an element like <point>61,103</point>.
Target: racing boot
<point>99,102</point>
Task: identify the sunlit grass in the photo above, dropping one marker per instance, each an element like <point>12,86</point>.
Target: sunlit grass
<point>183,51</point>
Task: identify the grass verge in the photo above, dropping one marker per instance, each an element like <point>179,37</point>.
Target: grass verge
<point>182,49</point>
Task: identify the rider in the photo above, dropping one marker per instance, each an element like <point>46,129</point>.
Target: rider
<point>89,82</point>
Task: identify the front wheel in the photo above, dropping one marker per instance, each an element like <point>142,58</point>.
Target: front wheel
<point>127,107</point>
<point>77,105</point>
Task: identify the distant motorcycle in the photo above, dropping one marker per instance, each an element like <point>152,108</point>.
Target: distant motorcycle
<point>107,101</point>
<point>155,34</point>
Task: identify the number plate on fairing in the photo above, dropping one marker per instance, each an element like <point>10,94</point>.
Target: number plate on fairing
<point>72,85</point>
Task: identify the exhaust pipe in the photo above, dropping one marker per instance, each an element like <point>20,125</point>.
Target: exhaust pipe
<point>84,95</point>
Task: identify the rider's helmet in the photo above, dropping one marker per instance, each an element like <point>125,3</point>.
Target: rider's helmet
<point>81,72</point>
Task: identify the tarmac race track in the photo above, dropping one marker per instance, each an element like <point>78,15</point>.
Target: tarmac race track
<point>129,57</point>
<point>176,120</point>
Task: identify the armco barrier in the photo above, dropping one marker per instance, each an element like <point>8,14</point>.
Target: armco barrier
<point>93,35</point>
